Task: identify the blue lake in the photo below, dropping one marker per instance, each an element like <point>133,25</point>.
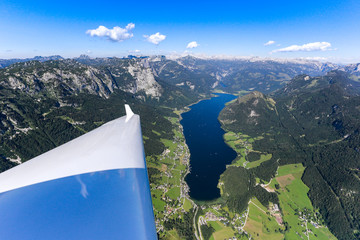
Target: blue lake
<point>209,154</point>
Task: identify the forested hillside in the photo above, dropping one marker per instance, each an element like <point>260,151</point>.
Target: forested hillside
<point>314,121</point>
<point>45,104</point>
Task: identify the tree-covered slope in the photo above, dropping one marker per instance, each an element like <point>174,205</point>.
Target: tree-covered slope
<point>45,104</point>
<point>314,121</point>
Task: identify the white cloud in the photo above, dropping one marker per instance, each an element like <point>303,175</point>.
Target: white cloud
<point>192,44</point>
<point>134,51</point>
<point>269,43</point>
<point>155,38</point>
<point>315,58</point>
<point>308,47</point>
<point>117,34</point>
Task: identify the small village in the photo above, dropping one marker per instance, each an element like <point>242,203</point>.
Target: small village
<point>170,197</point>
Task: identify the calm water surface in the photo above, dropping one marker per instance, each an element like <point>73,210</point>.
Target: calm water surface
<point>209,154</point>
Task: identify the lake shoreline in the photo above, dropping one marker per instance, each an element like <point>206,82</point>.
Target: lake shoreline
<point>218,156</point>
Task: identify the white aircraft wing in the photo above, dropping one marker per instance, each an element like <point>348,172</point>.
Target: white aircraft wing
<point>93,187</point>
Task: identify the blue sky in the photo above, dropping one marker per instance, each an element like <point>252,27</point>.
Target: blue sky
<point>308,29</point>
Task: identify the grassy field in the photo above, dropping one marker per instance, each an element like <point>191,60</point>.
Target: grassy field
<point>221,231</point>
<point>295,202</point>
<point>242,144</point>
<point>173,193</point>
<point>172,235</point>
<point>263,158</point>
<point>169,144</point>
<point>180,167</point>
<point>175,179</point>
<point>237,142</point>
<point>159,205</point>
<point>216,225</point>
<point>260,224</point>
<point>187,205</point>
<point>213,211</point>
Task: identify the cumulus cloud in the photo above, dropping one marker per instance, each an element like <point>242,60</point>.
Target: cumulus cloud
<point>155,38</point>
<point>116,34</point>
<point>269,43</point>
<point>308,47</point>
<point>192,44</point>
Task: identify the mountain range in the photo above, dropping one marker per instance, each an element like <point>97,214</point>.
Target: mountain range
<point>8,62</point>
<point>305,112</point>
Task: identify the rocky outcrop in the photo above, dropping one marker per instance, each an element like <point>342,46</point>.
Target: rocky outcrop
<point>66,77</point>
<point>144,80</point>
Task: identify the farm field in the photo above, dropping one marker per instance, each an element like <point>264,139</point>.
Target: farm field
<point>221,231</point>
<point>298,213</point>
<point>261,224</point>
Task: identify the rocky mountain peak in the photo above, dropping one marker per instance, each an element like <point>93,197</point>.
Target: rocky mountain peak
<point>68,76</point>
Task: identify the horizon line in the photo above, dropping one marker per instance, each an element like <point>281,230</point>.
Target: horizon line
<point>202,56</point>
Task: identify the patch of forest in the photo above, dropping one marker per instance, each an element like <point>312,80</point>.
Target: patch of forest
<point>240,186</point>
<point>32,125</point>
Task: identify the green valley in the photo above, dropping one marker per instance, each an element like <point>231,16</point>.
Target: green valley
<point>296,174</point>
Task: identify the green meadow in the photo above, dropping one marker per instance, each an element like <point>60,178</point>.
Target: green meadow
<point>294,202</point>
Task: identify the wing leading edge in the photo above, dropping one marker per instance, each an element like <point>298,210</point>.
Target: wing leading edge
<point>93,187</point>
